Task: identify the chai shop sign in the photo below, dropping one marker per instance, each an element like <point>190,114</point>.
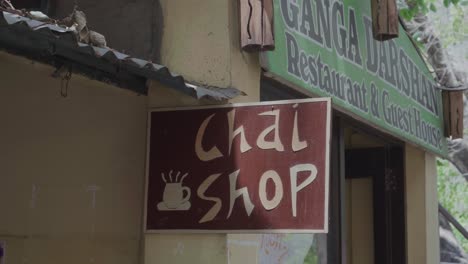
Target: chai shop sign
<point>239,168</point>
<point>327,48</point>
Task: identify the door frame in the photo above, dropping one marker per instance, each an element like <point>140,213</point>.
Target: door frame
<point>391,243</point>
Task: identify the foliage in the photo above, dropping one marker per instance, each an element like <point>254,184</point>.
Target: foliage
<point>453,195</point>
<point>424,6</point>
<point>457,32</point>
<point>311,257</point>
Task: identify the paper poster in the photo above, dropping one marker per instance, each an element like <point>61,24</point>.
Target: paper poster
<point>287,249</point>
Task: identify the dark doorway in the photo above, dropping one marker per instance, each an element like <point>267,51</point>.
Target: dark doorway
<point>372,163</point>
<point>375,184</point>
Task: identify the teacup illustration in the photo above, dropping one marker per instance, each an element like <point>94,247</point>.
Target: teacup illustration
<point>175,196</point>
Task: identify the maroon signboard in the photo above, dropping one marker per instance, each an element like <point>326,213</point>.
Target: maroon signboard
<point>239,168</point>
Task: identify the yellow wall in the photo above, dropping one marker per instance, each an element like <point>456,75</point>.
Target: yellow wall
<point>200,41</point>
<point>421,207</point>
<point>421,204</point>
<point>53,149</point>
<point>97,136</point>
<point>359,221</point>
<point>359,211</point>
<point>179,248</point>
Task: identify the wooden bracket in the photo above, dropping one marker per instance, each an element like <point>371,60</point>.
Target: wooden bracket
<point>256,25</point>
<point>384,19</point>
<point>453,113</point>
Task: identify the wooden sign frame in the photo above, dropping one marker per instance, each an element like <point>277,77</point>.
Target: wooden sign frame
<point>256,230</point>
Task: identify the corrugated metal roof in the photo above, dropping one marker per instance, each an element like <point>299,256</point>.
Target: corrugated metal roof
<point>58,45</point>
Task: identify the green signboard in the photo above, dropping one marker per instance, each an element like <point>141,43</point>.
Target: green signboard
<point>326,47</point>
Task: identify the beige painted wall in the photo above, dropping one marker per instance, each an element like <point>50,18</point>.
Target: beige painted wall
<point>180,248</point>
<point>97,136</point>
<point>200,41</point>
<point>359,206</point>
<point>193,248</point>
<point>421,207</point>
<point>421,201</point>
<point>359,221</point>
<point>53,150</point>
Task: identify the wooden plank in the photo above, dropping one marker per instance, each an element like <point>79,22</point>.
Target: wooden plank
<point>336,238</point>
<point>384,19</point>
<point>389,209</point>
<point>453,113</point>
<point>453,221</point>
<point>456,111</point>
<point>256,25</point>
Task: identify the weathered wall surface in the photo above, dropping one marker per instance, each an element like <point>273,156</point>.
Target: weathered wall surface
<point>180,248</point>
<point>55,152</point>
<point>201,42</point>
<point>97,136</point>
<point>196,38</point>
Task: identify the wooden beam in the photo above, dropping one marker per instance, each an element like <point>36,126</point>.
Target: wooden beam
<point>453,113</point>
<point>384,19</point>
<point>256,25</point>
<point>453,221</point>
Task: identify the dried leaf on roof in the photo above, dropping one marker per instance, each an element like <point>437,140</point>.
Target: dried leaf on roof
<point>96,60</point>
<point>77,20</point>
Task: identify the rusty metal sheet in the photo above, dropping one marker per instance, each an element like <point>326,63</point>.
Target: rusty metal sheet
<point>22,35</point>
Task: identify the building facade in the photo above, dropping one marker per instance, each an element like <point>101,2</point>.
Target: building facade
<point>74,150</point>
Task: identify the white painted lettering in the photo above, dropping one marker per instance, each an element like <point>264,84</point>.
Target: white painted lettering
<point>244,145</point>
<point>262,192</point>
<point>235,193</point>
<point>213,212</point>
<point>276,143</point>
<point>203,155</point>
<point>293,173</point>
<point>296,143</point>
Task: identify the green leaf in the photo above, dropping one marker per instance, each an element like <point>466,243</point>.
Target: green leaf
<point>432,7</point>
<point>452,189</point>
<point>424,9</point>
<point>446,3</point>
<point>414,11</point>
<point>406,13</point>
